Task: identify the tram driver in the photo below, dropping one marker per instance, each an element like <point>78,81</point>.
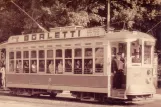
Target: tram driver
<point>117,70</point>
<point>136,58</point>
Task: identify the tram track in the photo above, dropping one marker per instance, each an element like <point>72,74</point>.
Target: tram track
<point>58,101</point>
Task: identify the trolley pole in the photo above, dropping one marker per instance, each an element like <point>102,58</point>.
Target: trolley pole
<point>108,15</point>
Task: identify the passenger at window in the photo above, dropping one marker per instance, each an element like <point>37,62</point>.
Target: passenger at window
<point>34,67</point>
<point>51,67</point>
<point>2,71</point>
<point>89,66</point>
<point>19,67</point>
<point>68,64</point>
<point>78,67</point>
<point>11,66</point>
<point>26,67</point>
<point>136,58</point>
<point>60,67</point>
<point>41,65</point>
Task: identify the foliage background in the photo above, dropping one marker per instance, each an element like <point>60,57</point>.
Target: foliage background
<point>141,15</point>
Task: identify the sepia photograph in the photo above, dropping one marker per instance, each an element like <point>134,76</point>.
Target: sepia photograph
<point>80,53</point>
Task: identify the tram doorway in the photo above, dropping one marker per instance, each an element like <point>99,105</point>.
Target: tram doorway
<point>118,69</point>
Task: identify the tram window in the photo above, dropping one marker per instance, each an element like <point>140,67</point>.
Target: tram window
<point>68,65</point>
<point>58,53</point>
<point>99,52</point>
<point>41,54</point>
<point>18,54</point>
<point>26,54</point>
<point>99,60</point>
<point>49,53</point>
<point>147,54</point>
<point>88,66</point>
<point>26,66</point>
<point>88,52</point>
<point>68,53</point>
<point>50,66</point>
<point>78,52</point>
<point>33,66</point>
<point>11,55</point>
<point>11,66</point>
<point>136,52</point>
<point>18,66</point>
<point>59,66</point>
<point>78,66</point>
<point>33,54</point>
<point>41,65</point>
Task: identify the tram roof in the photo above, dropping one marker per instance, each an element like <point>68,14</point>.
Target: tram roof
<point>79,32</point>
<point>124,34</point>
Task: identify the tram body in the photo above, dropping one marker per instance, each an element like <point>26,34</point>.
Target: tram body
<point>93,50</point>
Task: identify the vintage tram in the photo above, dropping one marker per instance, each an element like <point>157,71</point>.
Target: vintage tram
<point>79,60</point>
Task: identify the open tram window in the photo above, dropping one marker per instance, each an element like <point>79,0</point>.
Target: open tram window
<point>68,65</point>
<point>18,66</point>
<point>88,61</point>
<point>41,65</point>
<point>59,66</point>
<point>88,68</point>
<point>136,51</point>
<point>26,61</point>
<point>99,60</point>
<point>11,61</point>
<point>68,60</point>
<point>11,66</point>
<point>147,52</point>
<point>33,66</point>
<point>50,66</point>
<point>18,62</point>
<point>78,66</point>
<point>26,66</point>
<point>78,61</point>
<point>41,61</point>
<point>50,62</point>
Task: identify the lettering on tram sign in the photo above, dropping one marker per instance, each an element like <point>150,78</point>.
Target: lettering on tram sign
<point>65,34</point>
<point>26,37</point>
<point>33,36</point>
<point>62,33</point>
<point>57,34</point>
<point>41,36</point>
<point>72,32</point>
<point>49,37</point>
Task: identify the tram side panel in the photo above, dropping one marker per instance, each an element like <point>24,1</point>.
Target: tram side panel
<point>140,81</point>
<point>58,82</point>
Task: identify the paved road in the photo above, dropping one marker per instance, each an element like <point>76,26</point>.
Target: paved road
<point>64,100</point>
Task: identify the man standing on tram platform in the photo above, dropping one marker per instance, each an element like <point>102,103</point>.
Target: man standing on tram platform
<point>2,71</point>
<point>117,69</point>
